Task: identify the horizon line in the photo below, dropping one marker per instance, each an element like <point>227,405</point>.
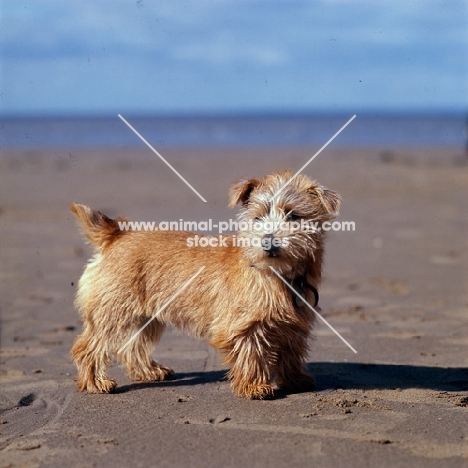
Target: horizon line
<point>239,113</point>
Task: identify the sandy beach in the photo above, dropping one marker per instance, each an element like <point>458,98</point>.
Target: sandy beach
<point>396,288</point>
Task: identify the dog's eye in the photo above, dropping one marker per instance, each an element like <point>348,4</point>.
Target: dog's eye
<point>292,217</point>
<point>257,219</point>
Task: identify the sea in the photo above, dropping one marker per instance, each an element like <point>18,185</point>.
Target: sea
<point>367,129</point>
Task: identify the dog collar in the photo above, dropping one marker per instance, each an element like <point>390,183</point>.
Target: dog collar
<point>299,284</point>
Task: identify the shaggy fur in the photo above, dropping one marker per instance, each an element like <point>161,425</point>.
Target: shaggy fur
<point>237,304</point>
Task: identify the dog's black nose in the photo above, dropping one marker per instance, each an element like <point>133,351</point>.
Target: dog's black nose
<point>271,245</point>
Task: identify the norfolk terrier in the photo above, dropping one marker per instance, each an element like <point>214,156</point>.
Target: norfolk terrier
<point>238,304</point>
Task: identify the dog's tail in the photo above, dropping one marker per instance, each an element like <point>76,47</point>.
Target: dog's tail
<point>99,229</point>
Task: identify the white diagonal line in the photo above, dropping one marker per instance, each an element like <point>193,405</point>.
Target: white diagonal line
<point>313,309</point>
<point>162,159</point>
<point>161,309</point>
<point>313,157</point>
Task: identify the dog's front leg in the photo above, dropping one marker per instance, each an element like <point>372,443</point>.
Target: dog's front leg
<point>252,359</point>
<point>289,369</point>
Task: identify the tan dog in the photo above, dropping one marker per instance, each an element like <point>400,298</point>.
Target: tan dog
<point>237,303</point>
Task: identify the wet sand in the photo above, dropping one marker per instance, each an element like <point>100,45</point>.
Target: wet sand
<point>396,288</point>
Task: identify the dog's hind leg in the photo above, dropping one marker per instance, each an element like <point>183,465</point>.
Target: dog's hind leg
<point>136,354</point>
<point>92,359</point>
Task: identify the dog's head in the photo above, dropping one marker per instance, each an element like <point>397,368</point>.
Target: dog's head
<point>280,222</point>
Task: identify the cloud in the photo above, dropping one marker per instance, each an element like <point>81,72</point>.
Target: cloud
<point>222,53</point>
<point>80,55</point>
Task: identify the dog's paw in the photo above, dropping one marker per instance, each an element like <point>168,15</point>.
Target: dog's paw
<point>151,374</point>
<point>97,386</point>
<point>106,385</point>
<point>165,373</point>
<point>256,391</point>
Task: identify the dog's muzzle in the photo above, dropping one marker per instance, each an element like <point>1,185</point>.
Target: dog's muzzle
<point>269,245</point>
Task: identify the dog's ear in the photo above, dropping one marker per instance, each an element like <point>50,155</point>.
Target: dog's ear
<point>241,190</point>
<point>331,201</point>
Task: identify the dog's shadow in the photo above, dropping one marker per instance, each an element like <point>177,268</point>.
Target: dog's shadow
<point>344,375</point>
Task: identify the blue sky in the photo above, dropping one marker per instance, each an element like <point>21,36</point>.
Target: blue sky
<point>171,56</point>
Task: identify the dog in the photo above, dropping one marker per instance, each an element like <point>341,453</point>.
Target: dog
<point>241,302</point>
